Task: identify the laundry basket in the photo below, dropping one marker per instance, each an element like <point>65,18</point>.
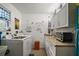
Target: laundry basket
<point>36,45</point>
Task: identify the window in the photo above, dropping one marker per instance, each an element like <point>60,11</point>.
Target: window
<point>4,14</point>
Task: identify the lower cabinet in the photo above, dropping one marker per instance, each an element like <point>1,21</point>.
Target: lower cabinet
<point>27,46</point>
<point>53,50</point>
<point>14,47</point>
<point>18,47</point>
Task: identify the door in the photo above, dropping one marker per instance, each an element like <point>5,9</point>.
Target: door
<point>77,32</point>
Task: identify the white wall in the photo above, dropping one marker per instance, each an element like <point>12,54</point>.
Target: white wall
<point>14,14</point>
<point>36,18</point>
<point>27,19</point>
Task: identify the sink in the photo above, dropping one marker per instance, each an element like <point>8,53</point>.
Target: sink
<point>19,37</point>
<point>3,50</point>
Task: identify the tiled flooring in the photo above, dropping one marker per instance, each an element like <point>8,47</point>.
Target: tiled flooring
<point>40,52</point>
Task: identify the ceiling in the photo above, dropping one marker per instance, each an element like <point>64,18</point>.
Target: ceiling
<point>35,7</point>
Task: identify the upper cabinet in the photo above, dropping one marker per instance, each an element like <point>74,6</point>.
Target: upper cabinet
<point>64,16</point>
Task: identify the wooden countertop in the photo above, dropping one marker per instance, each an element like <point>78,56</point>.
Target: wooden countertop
<point>54,41</point>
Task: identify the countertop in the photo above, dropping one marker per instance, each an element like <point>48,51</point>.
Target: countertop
<point>14,39</point>
<point>52,39</point>
<point>27,36</point>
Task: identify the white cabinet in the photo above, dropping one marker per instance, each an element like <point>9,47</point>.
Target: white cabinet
<point>53,49</point>
<point>27,46</point>
<point>50,49</point>
<point>54,22</point>
<point>65,17</point>
<point>14,46</point>
<point>19,47</point>
<point>62,16</point>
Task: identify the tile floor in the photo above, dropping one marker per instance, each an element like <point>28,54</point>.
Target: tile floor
<point>40,52</point>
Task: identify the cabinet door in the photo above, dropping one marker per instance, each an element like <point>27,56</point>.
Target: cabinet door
<point>15,47</point>
<point>60,19</point>
<point>63,16</point>
<point>52,50</point>
<point>46,47</point>
<point>27,46</point>
<point>52,22</point>
<point>56,21</point>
